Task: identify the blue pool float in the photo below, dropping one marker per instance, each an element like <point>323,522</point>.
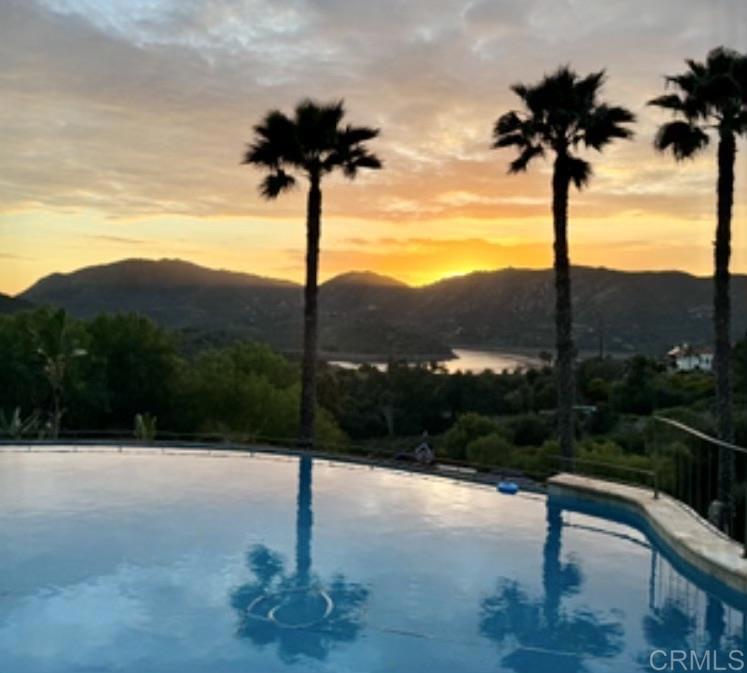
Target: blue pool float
<point>508,487</point>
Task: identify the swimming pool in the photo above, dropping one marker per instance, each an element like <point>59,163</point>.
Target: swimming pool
<point>162,563</point>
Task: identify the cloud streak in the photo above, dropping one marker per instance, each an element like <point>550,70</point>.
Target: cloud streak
<point>136,109</point>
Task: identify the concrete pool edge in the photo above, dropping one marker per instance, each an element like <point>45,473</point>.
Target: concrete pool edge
<point>438,469</point>
<point>687,534</point>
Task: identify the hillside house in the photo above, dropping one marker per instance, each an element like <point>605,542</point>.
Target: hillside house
<point>687,358</point>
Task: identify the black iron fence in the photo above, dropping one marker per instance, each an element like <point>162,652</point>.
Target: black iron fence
<point>692,458</point>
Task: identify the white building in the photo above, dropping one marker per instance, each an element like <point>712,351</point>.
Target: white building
<point>687,358</point>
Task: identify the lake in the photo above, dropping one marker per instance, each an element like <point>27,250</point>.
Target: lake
<point>468,360</point>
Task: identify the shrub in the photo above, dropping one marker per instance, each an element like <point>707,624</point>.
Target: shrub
<point>492,449</point>
<point>145,427</point>
<point>529,430</point>
<point>467,429</point>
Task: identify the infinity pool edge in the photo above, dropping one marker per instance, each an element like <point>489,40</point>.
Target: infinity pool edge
<point>687,534</point>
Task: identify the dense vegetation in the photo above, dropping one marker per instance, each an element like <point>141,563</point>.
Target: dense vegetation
<point>100,374</point>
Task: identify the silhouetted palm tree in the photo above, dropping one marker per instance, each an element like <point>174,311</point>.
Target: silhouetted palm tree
<point>712,96</point>
<point>312,143</point>
<point>562,113</point>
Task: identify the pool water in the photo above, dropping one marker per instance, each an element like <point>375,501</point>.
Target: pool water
<point>157,563</point>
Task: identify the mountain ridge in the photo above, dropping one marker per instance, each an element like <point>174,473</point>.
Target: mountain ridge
<point>364,312</point>
<point>357,276</point>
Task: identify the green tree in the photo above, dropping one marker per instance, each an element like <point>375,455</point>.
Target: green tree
<point>712,96</point>
<point>466,430</point>
<point>244,389</point>
<point>562,113</point>
<point>58,348</point>
<point>22,380</point>
<point>493,449</point>
<point>312,143</point>
<point>136,365</point>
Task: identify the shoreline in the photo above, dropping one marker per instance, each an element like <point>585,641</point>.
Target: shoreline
<point>381,359</point>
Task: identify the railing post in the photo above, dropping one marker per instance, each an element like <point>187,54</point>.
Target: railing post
<point>655,455</point>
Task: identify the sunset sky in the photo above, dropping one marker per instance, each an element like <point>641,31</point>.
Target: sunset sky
<point>123,124</point>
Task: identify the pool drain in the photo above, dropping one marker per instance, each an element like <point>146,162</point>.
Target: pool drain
<point>300,608</point>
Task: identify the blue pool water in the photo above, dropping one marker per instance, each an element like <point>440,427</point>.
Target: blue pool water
<point>183,563</point>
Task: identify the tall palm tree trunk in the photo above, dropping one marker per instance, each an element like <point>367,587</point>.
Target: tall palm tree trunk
<point>722,315</point>
<point>311,294</point>
<point>563,311</point>
<point>304,521</point>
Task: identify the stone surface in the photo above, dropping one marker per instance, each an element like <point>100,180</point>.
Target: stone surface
<point>690,536</point>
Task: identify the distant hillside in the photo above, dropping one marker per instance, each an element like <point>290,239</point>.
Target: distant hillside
<point>219,306</point>
<point>632,311</point>
<point>12,304</point>
<point>175,293</point>
<point>366,313</point>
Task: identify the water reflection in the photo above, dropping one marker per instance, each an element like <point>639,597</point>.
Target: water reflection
<point>296,610</point>
<point>545,635</point>
<point>686,617</point>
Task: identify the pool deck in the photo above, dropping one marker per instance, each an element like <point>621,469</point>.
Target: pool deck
<point>693,538</point>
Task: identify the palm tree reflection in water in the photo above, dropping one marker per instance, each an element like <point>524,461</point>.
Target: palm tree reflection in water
<point>686,619</point>
<point>296,611</point>
<point>546,636</point>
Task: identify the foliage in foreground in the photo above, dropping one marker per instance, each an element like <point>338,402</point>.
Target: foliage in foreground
<point>125,366</point>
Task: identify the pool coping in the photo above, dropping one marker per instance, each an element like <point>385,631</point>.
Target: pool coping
<point>690,536</point>
<point>437,469</point>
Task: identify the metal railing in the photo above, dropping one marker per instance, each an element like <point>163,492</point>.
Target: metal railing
<point>694,475</point>
<point>624,474</point>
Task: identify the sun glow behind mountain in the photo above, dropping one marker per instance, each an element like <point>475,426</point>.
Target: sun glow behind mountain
<point>124,121</point>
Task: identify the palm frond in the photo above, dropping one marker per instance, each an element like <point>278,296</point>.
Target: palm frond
<point>312,141</point>
<point>712,90</point>
<point>604,124</point>
<point>368,160</point>
<point>275,141</point>
<point>669,102</point>
<point>358,159</point>
<point>317,125</point>
<point>276,182</point>
<point>522,161</point>
<point>561,110</point>
<point>357,134</point>
<point>740,122</point>
<point>507,123</point>
<point>579,171</point>
<point>520,90</point>
<point>588,88</point>
<point>721,60</point>
<point>511,140</point>
<point>684,139</point>
<point>350,153</point>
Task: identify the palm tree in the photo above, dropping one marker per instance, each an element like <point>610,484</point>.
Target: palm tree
<point>312,143</point>
<point>712,96</point>
<point>562,113</point>
<point>57,350</point>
